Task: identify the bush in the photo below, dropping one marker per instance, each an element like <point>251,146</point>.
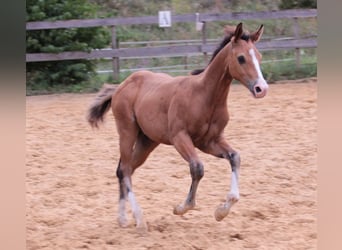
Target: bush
<point>59,40</point>
<point>293,4</point>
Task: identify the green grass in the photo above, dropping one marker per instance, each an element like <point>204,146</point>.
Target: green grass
<point>284,66</point>
<point>87,87</point>
<point>276,66</point>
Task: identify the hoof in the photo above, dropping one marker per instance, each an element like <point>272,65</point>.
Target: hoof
<point>221,212</point>
<point>142,228</point>
<point>123,221</point>
<point>179,210</point>
<point>182,209</point>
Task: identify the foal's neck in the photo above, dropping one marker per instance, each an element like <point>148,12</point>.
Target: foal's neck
<point>217,78</point>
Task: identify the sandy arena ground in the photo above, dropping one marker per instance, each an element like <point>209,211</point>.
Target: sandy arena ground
<point>72,190</point>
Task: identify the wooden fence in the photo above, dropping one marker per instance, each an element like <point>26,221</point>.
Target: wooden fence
<point>296,42</point>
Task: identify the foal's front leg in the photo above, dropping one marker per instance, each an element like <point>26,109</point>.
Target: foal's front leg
<point>221,148</point>
<point>185,147</point>
<point>234,195</point>
<point>196,171</point>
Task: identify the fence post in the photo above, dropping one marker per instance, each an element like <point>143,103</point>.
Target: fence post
<point>204,41</point>
<point>296,34</point>
<point>185,61</point>
<point>116,65</point>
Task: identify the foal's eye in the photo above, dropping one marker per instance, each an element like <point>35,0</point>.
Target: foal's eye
<point>241,59</point>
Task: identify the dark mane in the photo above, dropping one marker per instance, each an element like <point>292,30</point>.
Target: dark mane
<point>223,43</point>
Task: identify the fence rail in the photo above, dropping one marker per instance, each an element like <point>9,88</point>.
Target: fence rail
<point>171,50</point>
<point>203,17</point>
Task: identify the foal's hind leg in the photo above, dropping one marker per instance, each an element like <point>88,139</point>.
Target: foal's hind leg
<point>221,148</point>
<point>185,147</point>
<point>128,131</point>
<point>122,197</point>
<point>142,148</point>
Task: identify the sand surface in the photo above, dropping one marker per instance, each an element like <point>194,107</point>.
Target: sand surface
<point>72,190</point>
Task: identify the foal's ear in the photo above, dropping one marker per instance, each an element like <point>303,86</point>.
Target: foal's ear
<point>238,32</point>
<point>255,37</point>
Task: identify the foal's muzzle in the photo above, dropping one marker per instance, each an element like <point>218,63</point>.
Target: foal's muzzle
<point>259,89</point>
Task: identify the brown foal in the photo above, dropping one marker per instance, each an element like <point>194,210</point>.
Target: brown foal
<point>187,112</point>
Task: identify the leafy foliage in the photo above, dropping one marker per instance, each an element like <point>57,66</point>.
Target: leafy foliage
<point>59,40</point>
<point>293,4</point>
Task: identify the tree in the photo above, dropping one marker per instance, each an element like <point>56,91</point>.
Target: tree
<point>59,40</point>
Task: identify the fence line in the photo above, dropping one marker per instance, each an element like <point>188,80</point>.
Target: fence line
<point>172,50</point>
<point>203,46</point>
<point>203,17</point>
<point>183,67</point>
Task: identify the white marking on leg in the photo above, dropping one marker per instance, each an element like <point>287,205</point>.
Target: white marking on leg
<point>136,210</point>
<point>234,186</point>
<point>137,213</point>
<point>232,197</point>
<point>133,202</point>
<point>122,212</point>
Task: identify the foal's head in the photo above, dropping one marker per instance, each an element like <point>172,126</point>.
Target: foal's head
<point>244,59</point>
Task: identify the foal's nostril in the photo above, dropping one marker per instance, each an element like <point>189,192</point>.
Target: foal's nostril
<point>258,89</point>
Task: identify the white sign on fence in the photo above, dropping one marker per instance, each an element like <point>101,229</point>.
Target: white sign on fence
<point>199,25</point>
<point>164,18</point>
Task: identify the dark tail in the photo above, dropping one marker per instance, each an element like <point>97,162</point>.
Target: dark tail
<point>101,105</point>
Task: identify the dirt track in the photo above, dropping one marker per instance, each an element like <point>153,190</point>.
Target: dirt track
<point>72,191</point>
